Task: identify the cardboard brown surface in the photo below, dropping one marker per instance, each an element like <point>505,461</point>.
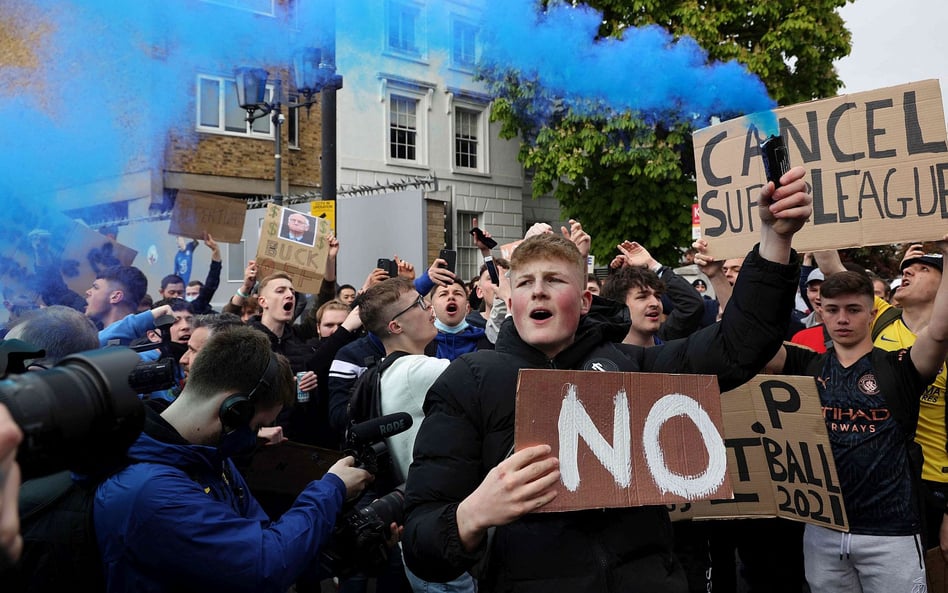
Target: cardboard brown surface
<point>288,467</point>
<point>87,252</point>
<point>936,570</point>
<point>877,163</point>
<point>305,263</point>
<point>779,456</point>
<point>196,213</point>
<point>652,420</point>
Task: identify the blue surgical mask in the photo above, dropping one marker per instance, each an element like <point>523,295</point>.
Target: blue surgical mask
<point>190,298</point>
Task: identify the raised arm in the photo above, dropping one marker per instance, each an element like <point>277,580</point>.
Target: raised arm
<point>931,346</point>
<point>689,306</point>
<point>712,268</point>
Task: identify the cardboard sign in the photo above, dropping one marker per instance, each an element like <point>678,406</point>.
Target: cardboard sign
<point>277,474</point>
<point>304,259</point>
<point>87,252</point>
<point>779,456</point>
<point>196,213</point>
<point>936,571</point>
<point>877,167</point>
<point>625,439</point>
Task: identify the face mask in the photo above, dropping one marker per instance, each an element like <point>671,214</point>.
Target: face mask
<point>237,442</point>
<point>190,298</point>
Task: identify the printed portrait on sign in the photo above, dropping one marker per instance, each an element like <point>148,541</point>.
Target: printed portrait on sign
<point>298,227</point>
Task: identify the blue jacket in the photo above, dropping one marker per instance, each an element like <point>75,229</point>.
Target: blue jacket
<point>126,330</point>
<point>470,339</point>
<point>181,517</point>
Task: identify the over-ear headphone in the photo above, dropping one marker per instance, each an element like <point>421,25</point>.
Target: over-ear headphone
<point>239,408</point>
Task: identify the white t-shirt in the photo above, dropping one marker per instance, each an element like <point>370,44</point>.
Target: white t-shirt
<point>404,386</point>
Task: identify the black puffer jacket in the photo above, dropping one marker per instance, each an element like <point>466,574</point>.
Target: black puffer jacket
<point>290,344</point>
<point>469,427</point>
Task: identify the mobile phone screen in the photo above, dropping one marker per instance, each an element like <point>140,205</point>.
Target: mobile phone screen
<point>450,256</point>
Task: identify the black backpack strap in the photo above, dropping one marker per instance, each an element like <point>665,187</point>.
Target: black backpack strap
<point>827,340</point>
<point>889,388</point>
<point>386,362</point>
<point>38,494</point>
<point>885,320</point>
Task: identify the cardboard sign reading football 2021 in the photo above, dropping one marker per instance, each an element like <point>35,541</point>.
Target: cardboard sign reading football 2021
<point>779,456</point>
<point>877,167</point>
<point>625,439</point>
<point>295,243</point>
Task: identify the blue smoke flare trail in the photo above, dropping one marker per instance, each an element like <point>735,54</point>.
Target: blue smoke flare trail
<point>646,70</point>
<point>93,90</point>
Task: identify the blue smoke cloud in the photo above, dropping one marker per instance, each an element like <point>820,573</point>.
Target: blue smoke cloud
<point>93,89</point>
<point>645,71</point>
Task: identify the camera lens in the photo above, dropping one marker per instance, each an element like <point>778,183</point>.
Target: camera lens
<point>80,415</point>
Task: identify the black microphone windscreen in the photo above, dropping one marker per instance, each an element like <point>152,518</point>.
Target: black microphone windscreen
<point>376,429</point>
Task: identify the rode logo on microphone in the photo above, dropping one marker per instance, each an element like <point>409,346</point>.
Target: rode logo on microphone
<point>393,427</point>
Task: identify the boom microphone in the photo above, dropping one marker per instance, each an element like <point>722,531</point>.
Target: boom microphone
<point>376,429</point>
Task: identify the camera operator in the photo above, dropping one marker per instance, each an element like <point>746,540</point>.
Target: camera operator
<point>196,525</point>
<point>404,321</point>
<point>58,331</point>
<point>11,543</point>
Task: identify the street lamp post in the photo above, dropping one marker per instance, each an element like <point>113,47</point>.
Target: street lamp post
<point>311,77</point>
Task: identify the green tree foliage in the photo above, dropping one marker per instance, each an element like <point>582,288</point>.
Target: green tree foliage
<point>627,178</point>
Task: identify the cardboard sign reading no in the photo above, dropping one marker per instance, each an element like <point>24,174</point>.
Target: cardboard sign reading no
<point>877,167</point>
<point>625,439</point>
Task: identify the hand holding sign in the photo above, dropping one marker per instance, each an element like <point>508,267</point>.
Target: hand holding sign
<point>518,485</point>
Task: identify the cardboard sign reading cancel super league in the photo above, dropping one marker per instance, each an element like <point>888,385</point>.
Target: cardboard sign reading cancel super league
<point>877,168</point>
<point>625,439</point>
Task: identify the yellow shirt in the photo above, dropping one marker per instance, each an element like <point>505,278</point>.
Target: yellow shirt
<point>931,433</point>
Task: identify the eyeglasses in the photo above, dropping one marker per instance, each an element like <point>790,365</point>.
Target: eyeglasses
<point>419,302</point>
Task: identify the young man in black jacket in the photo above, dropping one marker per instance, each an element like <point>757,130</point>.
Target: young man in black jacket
<point>463,481</point>
<point>308,421</point>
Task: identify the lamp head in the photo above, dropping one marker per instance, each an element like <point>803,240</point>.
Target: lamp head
<point>251,88</point>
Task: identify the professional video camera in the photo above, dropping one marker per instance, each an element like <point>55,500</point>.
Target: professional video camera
<point>160,374</point>
<point>361,538</point>
<point>82,414</point>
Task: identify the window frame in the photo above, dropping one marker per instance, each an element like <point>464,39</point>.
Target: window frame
<point>236,5</point>
<point>419,51</point>
<point>221,128</point>
<point>458,22</point>
<point>469,256</point>
<point>292,124</point>
<point>420,92</point>
<point>479,105</point>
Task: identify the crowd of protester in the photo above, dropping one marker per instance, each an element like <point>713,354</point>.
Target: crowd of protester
<point>277,365</point>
